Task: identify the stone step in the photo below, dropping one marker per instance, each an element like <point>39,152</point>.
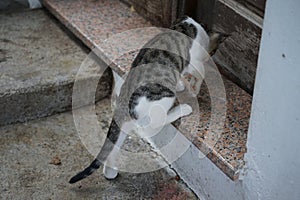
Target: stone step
<point>39,60</point>
<point>39,157</point>
<point>95,21</point>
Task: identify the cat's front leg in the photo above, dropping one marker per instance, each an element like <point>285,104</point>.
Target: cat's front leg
<point>197,86</point>
<point>180,86</point>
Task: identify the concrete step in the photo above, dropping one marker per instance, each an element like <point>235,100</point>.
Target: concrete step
<point>39,60</point>
<point>39,157</point>
<point>13,5</point>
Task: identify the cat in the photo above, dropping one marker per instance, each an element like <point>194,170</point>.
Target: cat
<point>149,92</point>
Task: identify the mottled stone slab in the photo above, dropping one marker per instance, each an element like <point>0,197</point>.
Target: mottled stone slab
<point>95,21</point>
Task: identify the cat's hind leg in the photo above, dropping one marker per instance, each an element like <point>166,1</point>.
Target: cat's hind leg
<point>118,82</point>
<point>110,170</point>
<point>109,145</point>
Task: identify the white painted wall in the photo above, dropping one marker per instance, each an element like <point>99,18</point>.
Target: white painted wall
<point>197,171</point>
<point>272,170</point>
<point>273,160</point>
<point>205,179</point>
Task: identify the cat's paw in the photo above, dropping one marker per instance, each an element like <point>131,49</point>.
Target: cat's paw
<point>185,109</point>
<point>110,173</point>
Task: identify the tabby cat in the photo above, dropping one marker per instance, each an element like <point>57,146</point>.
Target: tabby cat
<point>147,95</point>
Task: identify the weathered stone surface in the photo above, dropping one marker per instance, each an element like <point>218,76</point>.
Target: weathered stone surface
<point>38,65</point>
<point>30,150</point>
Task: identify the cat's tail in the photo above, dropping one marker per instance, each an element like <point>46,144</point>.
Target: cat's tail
<point>112,136</point>
<point>85,173</point>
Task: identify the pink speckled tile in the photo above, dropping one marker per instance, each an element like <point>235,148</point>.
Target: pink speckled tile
<point>227,152</point>
<point>95,21</point>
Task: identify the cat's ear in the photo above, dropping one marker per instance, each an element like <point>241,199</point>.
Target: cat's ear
<point>215,39</point>
<point>178,20</point>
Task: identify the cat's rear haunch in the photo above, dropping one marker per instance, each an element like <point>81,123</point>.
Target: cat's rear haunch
<point>153,80</point>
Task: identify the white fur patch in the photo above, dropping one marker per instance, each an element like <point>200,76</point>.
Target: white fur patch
<point>152,115</point>
<point>198,51</point>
